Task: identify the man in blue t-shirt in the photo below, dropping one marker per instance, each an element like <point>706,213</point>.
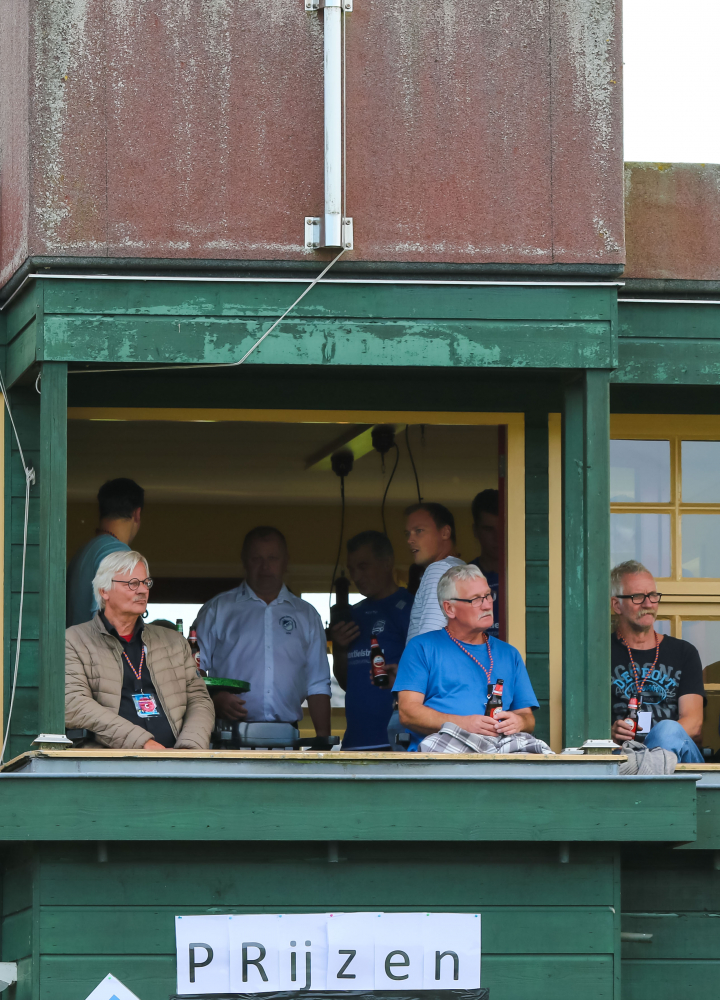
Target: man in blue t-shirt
<point>385,614</point>
<point>444,675</point>
<point>120,503</point>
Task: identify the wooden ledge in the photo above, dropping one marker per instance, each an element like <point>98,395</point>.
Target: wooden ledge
<point>329,756</point>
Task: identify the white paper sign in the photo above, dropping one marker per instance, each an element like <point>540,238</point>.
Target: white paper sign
<point>111,989</point>
<point>266,953</point>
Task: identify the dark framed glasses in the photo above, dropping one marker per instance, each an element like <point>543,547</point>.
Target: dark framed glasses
<point>135,583</point>
<point>653,597</point>
<point>476,602</point>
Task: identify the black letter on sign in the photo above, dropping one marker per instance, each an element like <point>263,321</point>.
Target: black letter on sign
<point>456,963</point>
<point>342,974</point>
<point>199,965</point>
<point>253,961</point>
<point>390,965</point>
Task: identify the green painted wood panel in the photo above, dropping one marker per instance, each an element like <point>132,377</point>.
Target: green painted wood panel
<point>419,325</point>
<point>17,932</point>
<point>516,930</point>
<point>708,813</point>
<point>586,528</point>
<point>16,888</point>
<point>555,977</point>
<point>672,882</point>
<point>668,362</point>
<point>680,935</point>
<point>273,875</point>
<point>536,570</point>
<point>658,320</point>
<point>391,343</point>
<point>52,540</point>
<point>25,404</point>
<point>671,979</point>
<point>213,809</point>
<point>390,300</point>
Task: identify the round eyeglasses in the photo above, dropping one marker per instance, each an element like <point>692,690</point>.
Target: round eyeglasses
<point>135,583</point>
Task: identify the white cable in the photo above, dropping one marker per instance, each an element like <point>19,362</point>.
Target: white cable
<point>29,480</point>
<point>220,364</point>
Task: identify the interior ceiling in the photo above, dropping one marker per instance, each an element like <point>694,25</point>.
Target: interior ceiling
<point>249,463</point>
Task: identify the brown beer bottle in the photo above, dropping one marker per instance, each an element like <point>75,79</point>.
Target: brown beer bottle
<point>494,702</point>
<point>632,716</point>
<point>380,676</point>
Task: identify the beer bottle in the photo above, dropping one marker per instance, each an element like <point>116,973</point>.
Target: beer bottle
<point>632,716</point>
<point>179,625</point>
<point>380,676</point>
<point>494,702</point>
<point>195,647</point>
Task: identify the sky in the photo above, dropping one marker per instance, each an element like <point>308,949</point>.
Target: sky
<point>672,80</point>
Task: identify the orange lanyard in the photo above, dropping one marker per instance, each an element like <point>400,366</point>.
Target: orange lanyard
<point>638,686</point>
<point>488,673</point>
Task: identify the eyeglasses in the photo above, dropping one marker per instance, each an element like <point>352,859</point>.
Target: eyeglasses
<point>476,602</point>
<point>653,597</point>
<point>135,583</point>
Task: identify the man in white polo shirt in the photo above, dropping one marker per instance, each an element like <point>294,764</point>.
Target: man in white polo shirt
<point>430,533</point>
<point>261,633</point>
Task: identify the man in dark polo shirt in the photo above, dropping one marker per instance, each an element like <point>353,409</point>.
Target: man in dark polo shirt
<point>662,672</point>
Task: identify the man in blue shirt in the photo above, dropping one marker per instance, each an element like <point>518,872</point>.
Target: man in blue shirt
<point>120,503</point>
<point>444,675</point>
<point>385,614</point>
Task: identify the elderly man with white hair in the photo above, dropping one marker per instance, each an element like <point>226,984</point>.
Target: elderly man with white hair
<point>446,675</point>
<point>130,684</point>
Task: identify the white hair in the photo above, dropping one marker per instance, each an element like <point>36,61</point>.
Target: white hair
<point>619,572</point>
<point>447,585</point>
<point>116,562</point>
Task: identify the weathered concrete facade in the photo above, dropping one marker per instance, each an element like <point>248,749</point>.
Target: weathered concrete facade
<point>672,215</point>
<point>477,130</point>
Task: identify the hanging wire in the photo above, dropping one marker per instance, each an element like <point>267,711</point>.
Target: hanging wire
<point>29,481</point>
<point>412,461</point>
<point>221,364</point>
<point>340,540</point>
<point>382,505</point>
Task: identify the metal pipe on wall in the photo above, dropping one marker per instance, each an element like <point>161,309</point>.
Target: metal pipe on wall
<point>332,222</point>
<point>331,229</point>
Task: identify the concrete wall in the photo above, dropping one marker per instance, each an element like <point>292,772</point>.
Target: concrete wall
<point>478,130</point>
<point>672,215</point>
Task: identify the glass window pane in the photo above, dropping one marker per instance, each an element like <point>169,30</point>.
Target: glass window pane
<point>640,471</point>
<point>701,545</point>
<point>645,537</point>
<point>701,471</point>
<point>705,636</point>
<point>662,625</point>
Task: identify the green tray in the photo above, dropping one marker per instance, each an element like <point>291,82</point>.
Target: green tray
<point>226,684</point>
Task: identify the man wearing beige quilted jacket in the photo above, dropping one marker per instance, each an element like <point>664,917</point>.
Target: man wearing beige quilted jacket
<point>133,686</point>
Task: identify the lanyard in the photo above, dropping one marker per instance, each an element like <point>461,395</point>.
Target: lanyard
<point>638,686</point>
<point>138,672</point>
<point>488,673</point>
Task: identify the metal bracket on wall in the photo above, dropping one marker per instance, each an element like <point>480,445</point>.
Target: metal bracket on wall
<point>313,233</point>
<point>331,229</point>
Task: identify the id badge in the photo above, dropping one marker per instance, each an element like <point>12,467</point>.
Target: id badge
<point>145,705</point>
<point>644,722</point>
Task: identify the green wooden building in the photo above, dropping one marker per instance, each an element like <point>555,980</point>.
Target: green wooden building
<point>521,313</point>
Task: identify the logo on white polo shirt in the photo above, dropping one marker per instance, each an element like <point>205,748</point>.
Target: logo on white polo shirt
<point>288,623</point>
